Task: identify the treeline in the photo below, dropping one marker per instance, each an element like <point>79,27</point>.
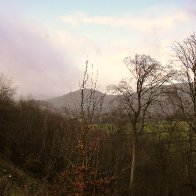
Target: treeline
<point>145,146</point>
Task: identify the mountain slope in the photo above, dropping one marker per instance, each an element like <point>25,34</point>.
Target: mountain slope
<point>73,99</point>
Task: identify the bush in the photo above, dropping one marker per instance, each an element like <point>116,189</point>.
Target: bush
<point>33,165</point>
<point>6,185</point>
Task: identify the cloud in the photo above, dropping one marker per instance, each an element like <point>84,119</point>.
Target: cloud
<point>151,31</point>
<point>191,7</point>
<point>148,21</point>
<point>29,56</point>
<point>47,62</point>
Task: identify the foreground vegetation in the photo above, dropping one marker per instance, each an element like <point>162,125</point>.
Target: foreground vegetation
<point>131,150</point>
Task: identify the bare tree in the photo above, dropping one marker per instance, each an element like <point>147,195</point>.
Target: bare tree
<point>86,168</point>
<point>6,89</point>
<point>184,91</point>
<point>147,76</point>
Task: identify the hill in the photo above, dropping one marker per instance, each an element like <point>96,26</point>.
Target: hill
<point>72,100</point>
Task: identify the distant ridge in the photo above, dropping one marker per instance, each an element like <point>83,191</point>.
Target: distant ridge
<point>73,99</point>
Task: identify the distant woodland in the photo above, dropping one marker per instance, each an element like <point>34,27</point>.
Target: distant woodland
<point>141,143</point>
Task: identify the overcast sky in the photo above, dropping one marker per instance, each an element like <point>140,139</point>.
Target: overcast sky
<point>44,43</point>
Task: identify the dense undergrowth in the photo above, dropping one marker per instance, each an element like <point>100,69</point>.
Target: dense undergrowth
<point>40,155</point>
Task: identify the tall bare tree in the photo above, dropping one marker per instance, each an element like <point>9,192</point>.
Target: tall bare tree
<point>147,76</point>
<point>185,61</point>
<point>184,92</point>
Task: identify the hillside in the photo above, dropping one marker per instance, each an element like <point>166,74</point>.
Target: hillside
<point>73,100</point>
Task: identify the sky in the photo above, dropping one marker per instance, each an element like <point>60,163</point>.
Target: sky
<point>44,44</point>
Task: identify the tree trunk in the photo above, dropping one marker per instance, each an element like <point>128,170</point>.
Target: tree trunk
<point>133,166</point>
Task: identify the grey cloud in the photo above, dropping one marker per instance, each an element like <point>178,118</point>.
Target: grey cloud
<point>191,7</point>
<point>35,64</point>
